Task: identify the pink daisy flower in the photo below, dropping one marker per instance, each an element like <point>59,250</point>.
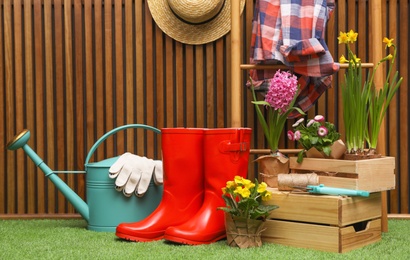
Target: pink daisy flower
<point>296,135</point>
<point>298,122</point>
<point>291,135</point>
<point>322,131</point>
<point>319,118</point>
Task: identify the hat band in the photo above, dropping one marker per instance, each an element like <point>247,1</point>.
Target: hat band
<point>191,23</point>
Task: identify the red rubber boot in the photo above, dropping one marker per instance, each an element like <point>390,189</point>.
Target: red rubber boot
<point>226,154</point>
<point>183,193</point>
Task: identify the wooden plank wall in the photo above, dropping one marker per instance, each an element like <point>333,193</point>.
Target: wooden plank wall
<point>71,70</point>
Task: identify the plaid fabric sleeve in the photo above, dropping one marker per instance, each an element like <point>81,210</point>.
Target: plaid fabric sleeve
<point>291,32</point>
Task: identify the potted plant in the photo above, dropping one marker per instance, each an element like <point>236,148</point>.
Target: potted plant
<point>244,212</point>
<point>364,106</point>
<point>318,138</point>
<point>278,103</point>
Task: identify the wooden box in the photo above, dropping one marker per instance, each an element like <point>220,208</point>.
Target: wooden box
<point>322,222</point>
<point>371,175</point>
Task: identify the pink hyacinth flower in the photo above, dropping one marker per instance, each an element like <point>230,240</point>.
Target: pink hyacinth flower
<point>281,91</point>
<point>296,135</point>
<point>319,118</point>
<point>322,131</point>
<point>290,135</point>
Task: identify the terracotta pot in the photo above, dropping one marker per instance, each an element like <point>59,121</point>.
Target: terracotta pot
<point>243,232</point>
<point>338,150</point>
<point>270,166</point>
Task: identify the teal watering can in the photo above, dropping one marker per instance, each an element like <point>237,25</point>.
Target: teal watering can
<point>105,207</point>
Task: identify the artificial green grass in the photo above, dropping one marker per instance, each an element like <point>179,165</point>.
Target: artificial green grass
<point>69,239</point>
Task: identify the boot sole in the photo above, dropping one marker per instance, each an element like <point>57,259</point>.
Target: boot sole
<point>137,239</point>
<point>185,241</point>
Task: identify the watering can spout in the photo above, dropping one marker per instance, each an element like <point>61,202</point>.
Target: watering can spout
<point>20,141</point>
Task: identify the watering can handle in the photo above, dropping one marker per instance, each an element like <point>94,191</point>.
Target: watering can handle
<point>115,130</point>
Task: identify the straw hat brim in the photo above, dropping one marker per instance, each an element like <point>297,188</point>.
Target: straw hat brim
<point>188,33</point>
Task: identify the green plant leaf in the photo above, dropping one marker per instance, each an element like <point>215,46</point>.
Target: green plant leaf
<point>313,139</point>
<point>327,150</point>
<point>300,156</point>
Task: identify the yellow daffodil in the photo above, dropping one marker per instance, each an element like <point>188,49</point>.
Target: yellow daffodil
<point>364,106</point>
<point>343,38</point>
<point>343,59</point>
<point>388,42</point>
<point>356,60</point>
<point>352,36</point>
<point>388,57</point>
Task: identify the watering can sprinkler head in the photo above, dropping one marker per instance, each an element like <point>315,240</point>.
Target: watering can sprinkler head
<point>19,140</point>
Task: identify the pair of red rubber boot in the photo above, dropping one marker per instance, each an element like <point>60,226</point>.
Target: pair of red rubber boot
<point>197,163</point>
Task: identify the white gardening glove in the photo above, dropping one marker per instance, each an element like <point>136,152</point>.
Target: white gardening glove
<point>134,173</point>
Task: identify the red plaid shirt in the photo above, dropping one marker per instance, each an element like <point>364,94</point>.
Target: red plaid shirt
<point>291,32</point>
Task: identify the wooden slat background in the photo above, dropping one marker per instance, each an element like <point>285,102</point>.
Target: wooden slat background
<point>71,70</point>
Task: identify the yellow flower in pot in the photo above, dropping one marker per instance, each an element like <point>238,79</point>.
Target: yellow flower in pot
<point>318,138</point>
<point>364,106</point>
<point>279,103</point>
<point>244,212</point>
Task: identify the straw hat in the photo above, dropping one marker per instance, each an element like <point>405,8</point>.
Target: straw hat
<point>193,21</point>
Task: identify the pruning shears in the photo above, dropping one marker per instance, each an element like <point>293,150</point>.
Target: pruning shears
<point>322,189</point>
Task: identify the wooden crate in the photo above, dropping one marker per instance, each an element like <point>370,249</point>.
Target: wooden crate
<point>322,222</point>
<point>324,238</point>
<point>371,175</point>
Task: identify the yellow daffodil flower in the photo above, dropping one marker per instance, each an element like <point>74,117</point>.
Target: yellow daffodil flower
<point>352,36</point>
<point>362,102</point>
<point>343,38</point>
<point>388,42</point>
<point>356,60</point>
<point>343,59</point>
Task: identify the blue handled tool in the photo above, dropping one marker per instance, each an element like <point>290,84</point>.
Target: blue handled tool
<point>321,189</point>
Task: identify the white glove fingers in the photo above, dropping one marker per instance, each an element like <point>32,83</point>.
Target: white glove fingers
<point>143,186</point>
<point>133,174</point>
<point>147,167</point>
<point>124,175</point>
<point>132,182</point>
<point>126,194</point>
<point>158,173</point>
<point>117,166</point>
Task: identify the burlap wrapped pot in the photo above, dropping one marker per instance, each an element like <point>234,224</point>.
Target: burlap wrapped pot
<point>243,232</point>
